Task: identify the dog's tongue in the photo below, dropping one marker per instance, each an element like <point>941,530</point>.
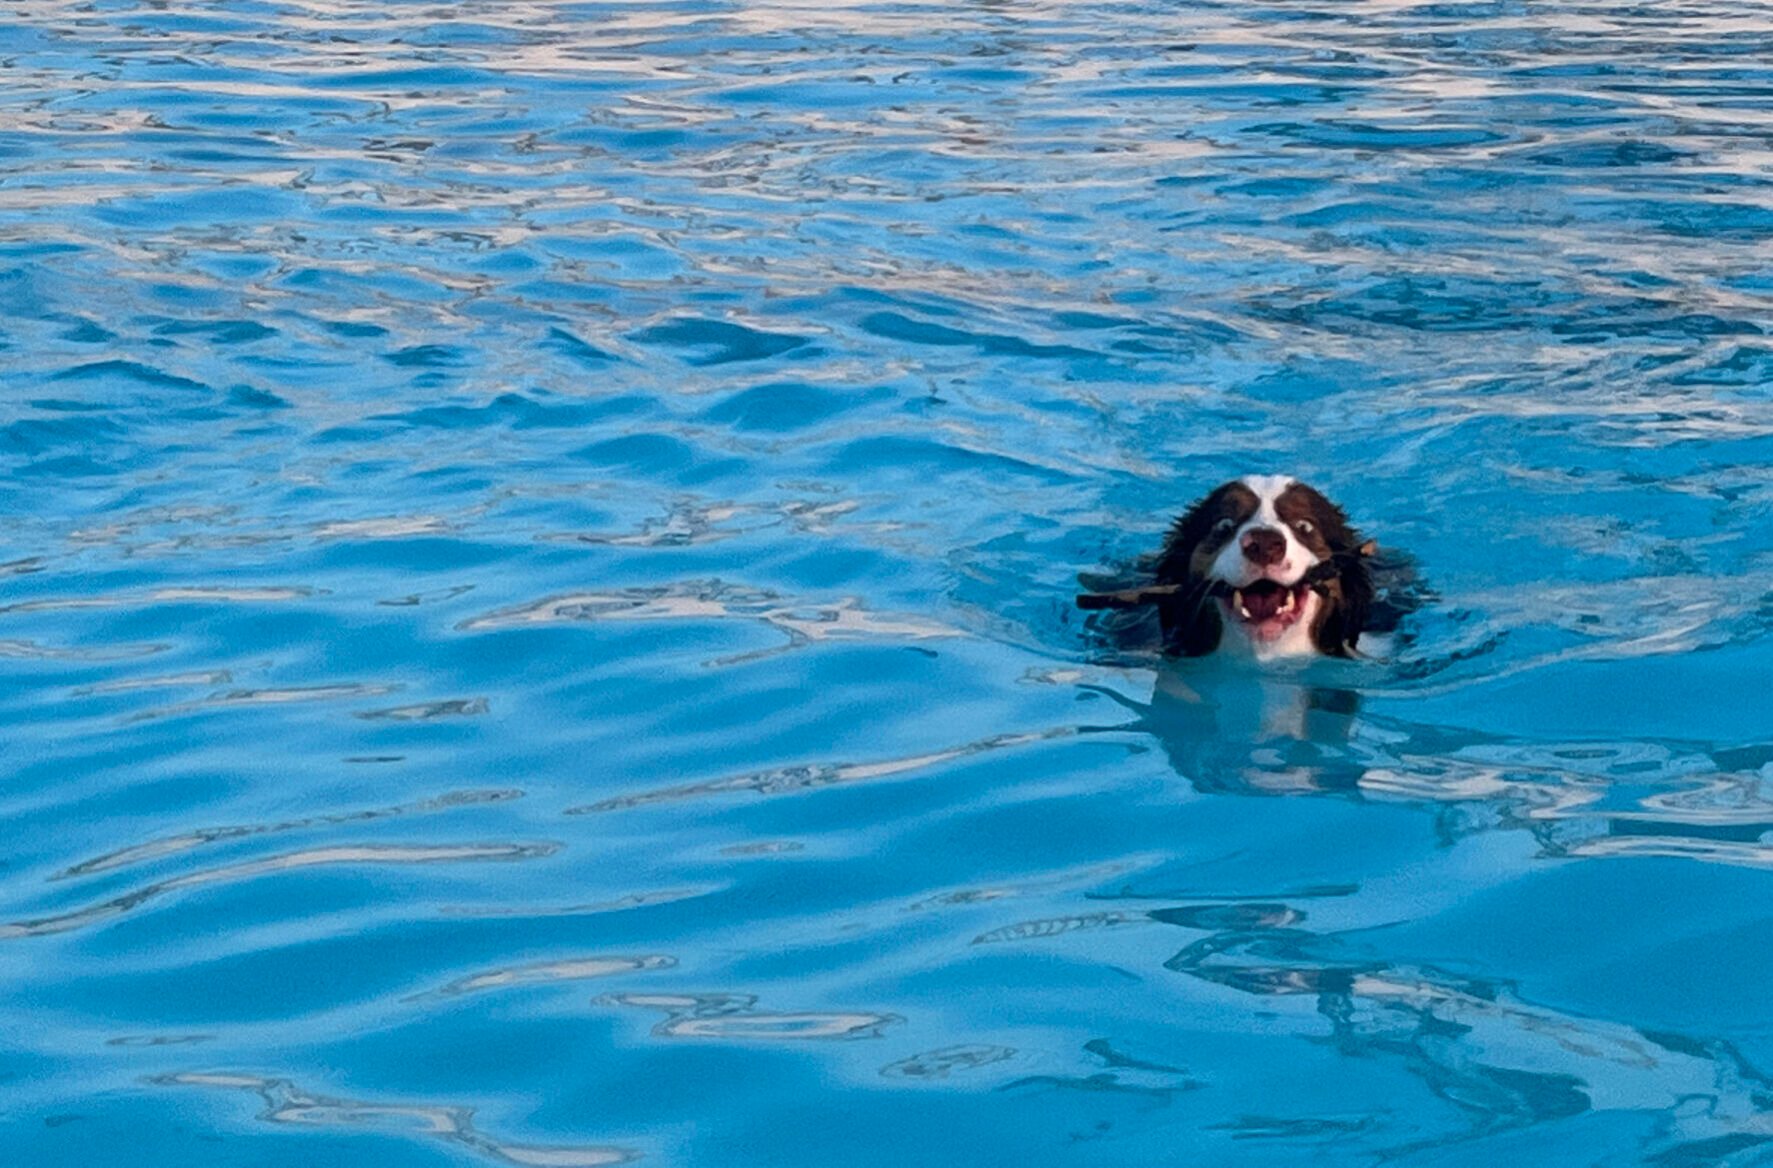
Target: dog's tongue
<point>1263,600</point>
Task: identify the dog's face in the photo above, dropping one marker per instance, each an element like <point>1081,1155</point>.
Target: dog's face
<point>1268,567</point>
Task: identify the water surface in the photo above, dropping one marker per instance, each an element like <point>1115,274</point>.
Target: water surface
<point>536,613</point>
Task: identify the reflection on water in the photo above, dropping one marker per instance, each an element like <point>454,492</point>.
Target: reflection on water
<point>791,780</point>
<point>223,699</point>
<point>691,522</point>
<point>158,1039</point>
<point>632,900</point>
<point>293,861</point>
<point>764,848</point>
<point>1052,927</point>
<point>168,681</point>
<point>1245,734</point>
<point>286,1103</point>
<point>163,595</point>
<point>1033,885</point>
<point>454,708</point>
<point>546,972</point>
<point>712,600</point>
<point>696,418</point>
<point>949,1060</point>
<point>1505,1063</point>
<point>735,1016</point>
<point>30,650</point>
<point>172,845</point>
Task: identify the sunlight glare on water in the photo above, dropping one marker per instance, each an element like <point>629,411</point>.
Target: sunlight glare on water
<point>536,616</point>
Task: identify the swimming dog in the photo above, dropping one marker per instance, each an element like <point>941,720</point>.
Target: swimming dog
<point>1264,567</point>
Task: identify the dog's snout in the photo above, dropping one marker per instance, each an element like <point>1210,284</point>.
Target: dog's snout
<point>1264,546</point>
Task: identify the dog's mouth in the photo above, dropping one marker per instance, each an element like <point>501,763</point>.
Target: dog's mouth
<point>1266,608</point>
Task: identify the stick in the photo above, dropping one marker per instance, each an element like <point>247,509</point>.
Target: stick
<point>1130,598</point>
<point>1153,593</point>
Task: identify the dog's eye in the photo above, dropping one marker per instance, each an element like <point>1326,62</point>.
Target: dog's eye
<point>1223,527</point>
<point>1304,526</point>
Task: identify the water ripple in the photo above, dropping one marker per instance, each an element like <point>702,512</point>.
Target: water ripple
<point>801,624</point>
<point>549,972</point>
<point>267,696</point>
<point>735,1017</point>
<point>1054,926</point>
<point>671,409</point>
<point>426,711</point>
<point>286,1103</point>
<point>218,594</point>
<point>632,900</point>
<point>253,869</point>
<point>949,1060</point>
<point>796,779</point>
<point>202,837</point>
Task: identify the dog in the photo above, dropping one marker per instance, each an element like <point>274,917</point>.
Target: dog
<point>1263,567</point>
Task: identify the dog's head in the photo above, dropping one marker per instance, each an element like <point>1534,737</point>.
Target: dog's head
<point>1265,566</point>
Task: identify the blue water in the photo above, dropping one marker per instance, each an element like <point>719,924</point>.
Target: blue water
<point>535,598</point>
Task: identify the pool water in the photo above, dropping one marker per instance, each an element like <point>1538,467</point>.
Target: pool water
<point>536,600</point>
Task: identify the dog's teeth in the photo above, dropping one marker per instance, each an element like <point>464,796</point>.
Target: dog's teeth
<point>1287,605</point>
<point>1237,597</point>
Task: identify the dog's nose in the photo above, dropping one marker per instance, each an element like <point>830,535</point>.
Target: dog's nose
<point>1264,546</point>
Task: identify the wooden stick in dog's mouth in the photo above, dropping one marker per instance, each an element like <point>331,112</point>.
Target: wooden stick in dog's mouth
<point>1318,574</point>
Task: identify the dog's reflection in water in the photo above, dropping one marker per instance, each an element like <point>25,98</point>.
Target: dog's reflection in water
<point>1259,733</point>
<point>1502,1060</point>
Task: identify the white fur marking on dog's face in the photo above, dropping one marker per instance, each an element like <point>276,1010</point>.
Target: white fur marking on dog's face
<point>1233,567</point>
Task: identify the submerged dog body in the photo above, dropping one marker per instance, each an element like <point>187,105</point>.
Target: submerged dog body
<point>1266,567</point>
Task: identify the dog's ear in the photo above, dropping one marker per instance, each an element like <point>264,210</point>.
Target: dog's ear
<point>1349,593</point>
<point>1191,623</point>
<point>1188,532</point>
